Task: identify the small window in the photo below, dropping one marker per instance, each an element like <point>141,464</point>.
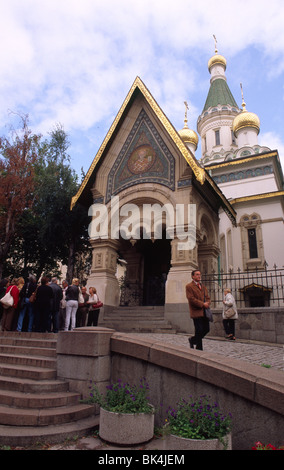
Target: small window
<point>252,243</point>
<point>233,138</point>
<point>217,137</point>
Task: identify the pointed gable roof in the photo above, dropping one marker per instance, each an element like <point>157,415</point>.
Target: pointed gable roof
<point>138,87</point>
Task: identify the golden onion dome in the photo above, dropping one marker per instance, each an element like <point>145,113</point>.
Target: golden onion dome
<point>217,59</point>
<point>246,119</point>
<point>188,136</point>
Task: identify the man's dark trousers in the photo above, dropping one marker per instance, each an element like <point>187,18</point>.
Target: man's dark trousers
<point>202,327</point>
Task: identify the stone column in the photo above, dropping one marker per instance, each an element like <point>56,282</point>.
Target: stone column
<point>83,355</point>
<point>183,262</point>
<point>103,271</point>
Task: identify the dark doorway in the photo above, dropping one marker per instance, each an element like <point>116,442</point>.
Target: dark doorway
<point>157,258</point>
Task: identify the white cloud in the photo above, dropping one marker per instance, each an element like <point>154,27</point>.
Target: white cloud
<point>74,62</point>
<point>275,142</point>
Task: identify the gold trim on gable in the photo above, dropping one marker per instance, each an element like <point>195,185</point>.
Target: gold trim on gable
<point>197,169</point>
<point>226,204</point>
<point>256,197</point>
<point>238,161</point>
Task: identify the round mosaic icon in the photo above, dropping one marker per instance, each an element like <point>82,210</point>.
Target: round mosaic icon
<point>141,159</point>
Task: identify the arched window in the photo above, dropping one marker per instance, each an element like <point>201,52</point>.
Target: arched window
<point>252,241</point>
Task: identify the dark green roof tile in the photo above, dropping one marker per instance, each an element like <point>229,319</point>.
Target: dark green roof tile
<point>219,94</point>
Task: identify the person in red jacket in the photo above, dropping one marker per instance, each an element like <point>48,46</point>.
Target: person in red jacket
<point>198,300</point>
<point>8,313</point>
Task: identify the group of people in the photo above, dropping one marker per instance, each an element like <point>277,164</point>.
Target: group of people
<point>47,306</point>
<point>199,301</point>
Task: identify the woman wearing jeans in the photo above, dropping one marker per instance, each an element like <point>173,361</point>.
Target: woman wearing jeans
<point>27,307</point>
<point>72,296</point>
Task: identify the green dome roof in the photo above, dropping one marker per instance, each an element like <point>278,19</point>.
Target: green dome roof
<point>219,94</point>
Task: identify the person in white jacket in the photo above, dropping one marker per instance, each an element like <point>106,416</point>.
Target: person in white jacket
<point>230,314</point>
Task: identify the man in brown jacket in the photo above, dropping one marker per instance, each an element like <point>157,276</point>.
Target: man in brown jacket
<point>198,300</point>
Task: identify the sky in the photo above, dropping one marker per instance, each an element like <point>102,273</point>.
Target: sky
<point>73,62</point>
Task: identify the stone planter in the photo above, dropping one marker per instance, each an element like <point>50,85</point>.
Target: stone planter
<point>124,428</point>
<point>180,443</point>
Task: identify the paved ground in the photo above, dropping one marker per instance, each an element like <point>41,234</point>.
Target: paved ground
<point>260,354</point>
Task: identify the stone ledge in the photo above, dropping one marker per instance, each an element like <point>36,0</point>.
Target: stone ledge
<point>249,381</point>
<point>271,393</point>
<point>83,342</point>
<point>126,344</point>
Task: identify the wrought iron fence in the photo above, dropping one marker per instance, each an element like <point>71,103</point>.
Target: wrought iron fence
<point>151,292</point>
<point>131,293</point>
<point>258,288</point>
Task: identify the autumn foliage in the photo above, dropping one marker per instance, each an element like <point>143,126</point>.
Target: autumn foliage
<point>18,154</point>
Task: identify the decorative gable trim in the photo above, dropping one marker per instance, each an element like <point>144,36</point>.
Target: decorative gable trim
<point>144,158</point>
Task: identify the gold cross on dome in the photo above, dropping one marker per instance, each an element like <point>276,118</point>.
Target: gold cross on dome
<point>216,50</point>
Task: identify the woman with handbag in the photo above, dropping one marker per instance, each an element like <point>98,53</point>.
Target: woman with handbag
<point>94,311</point>
<point>9,312</point>
<point>230,314</point>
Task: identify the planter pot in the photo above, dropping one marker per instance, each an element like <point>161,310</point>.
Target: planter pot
<point>126,429</point>
<point>180,443</point>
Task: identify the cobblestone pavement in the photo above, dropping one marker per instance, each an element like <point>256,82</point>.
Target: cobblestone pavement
<point>257,353</point>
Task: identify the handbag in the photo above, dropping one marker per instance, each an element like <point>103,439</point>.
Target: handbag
<point>208,314</point>
<point>230,312</point>
<point>99,304</point>
<point>32,297</point>
<point>7,301</point>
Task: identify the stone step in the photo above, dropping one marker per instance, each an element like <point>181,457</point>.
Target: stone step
<point>121,318</point>
<point>26,360</point>
<point>126,317</point>
<point>27,372</point>
<point>27,350</point>
<point>43,417</point>
<point>38,400</point>
<point>146,327</point>
<point>35,405</point>
<point>24,385</point>
<point>135,322</point>
<point>23,436</point>
<point>139,311</point>
<point>143,319</point>
<point>40,339</point>
<point>34,343</point>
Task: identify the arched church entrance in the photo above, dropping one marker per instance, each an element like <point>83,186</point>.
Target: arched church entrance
<point>146,264</point>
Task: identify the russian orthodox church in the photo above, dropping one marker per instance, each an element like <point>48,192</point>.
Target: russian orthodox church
<point>236,189</point>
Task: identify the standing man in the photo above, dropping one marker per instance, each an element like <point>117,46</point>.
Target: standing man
<point>83,309</point>
<point>198,300</point>
<point>55,305</point>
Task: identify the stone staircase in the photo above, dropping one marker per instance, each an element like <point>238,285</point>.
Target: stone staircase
<point>36,406</point>
<point>137,319</point>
